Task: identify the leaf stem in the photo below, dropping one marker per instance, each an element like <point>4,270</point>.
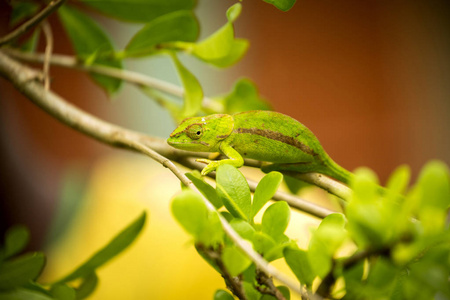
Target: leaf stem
<point>34,21</point>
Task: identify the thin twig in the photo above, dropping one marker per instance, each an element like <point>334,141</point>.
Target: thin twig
<point>34,21</point>
<point>48,52</point>
<point>114,135</point>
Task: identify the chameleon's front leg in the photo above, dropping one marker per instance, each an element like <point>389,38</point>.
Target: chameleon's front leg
<point>234,159</point>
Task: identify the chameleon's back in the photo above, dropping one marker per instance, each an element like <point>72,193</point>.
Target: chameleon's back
<point>274,137</point>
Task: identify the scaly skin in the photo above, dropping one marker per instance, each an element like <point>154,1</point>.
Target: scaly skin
<point>262,135</point>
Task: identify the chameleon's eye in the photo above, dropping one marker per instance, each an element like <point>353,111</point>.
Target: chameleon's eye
<point>195,131</point>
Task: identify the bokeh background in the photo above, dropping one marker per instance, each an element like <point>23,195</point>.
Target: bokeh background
<point>370,78</point>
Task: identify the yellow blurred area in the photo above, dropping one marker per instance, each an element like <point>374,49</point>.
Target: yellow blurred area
<point>162,263</point>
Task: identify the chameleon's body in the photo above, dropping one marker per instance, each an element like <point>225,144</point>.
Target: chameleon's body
<point>262,135</point>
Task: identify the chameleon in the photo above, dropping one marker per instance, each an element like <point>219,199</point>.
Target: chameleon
<point>267,136</point>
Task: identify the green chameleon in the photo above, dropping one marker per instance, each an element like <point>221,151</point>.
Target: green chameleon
<point>262,135</point>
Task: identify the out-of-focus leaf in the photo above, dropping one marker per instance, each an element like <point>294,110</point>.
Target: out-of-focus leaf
<point>294,185</point>
<point>24,294</point>
<point>17,272</point>
<point>118,244</point>
<point>190,211</point>
<point>243,97</point>
<point>70,200</point>
<point>325,241</point>
<point>234,260</point>
<point>16,238</point>
<point>206,189</point>
<point>91,44</point>
<point>222,295</point>
<point>298,262</point>
<point>177,26</point>
<point>87,286</point>
<point>399,179</point>
<point>141,11</point>
<point>262,242</point>
<point>283,5</point>
<point>22,10</point>
<point>243,228</point>
<point>233,189</point>
<point>250,290</point>
<point>62,291</point>
<point>276,219</point>
<point>284,291</point>
<point>30,44</point>
<point>193,91</point>
<point>265,190</point>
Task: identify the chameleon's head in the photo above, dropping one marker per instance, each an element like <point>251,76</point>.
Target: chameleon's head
<point>201,134</point>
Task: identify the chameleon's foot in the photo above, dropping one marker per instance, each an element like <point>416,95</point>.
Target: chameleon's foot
<point>211,165</point>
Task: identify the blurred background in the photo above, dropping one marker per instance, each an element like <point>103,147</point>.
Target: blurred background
<point>370,78</point>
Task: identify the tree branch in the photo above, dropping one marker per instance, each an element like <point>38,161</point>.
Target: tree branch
<point>104,132</point>
<point>34,21</point>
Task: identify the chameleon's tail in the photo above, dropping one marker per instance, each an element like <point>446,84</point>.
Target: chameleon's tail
<point>335,171</point>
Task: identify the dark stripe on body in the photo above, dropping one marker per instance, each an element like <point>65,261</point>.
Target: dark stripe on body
<point>277,136</point>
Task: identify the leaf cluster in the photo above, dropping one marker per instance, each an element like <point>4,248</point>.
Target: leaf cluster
<point>390,243</point>
<point>19,274</point>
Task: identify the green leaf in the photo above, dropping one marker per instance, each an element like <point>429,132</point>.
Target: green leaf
<point>434,182</point>
<point>294,185</point>
<point>87,286</point>
<point>118,244</point>
<point>190,211</point>
<point>265,190</point>
<point>234,260</point>
<point>324,243</point>
<point>142,11</point>
<point>16,238</point>
<point>262,242</point>
<point>284,291</point>
<point>283,5</point>
<point>222,295</point>
<point>276,219</point>
<point>298,262</point>
<point>193,91</point>
<point>221,48</point>
<point>24,294</point>
<point>62,291</point>
<point>206,189</point>
<point>233,189</point>
<point>399,179</point>
<point>90,42</point>
<point>243,228</point>
<point>250,291</point>
<point>172,27</point>
<point>17,272</point>
<point>243,97</point>
<point>371,221</point>
<point>22,10</point>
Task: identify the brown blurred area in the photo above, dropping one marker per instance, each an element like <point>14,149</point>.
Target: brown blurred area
<point>370,78</point>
